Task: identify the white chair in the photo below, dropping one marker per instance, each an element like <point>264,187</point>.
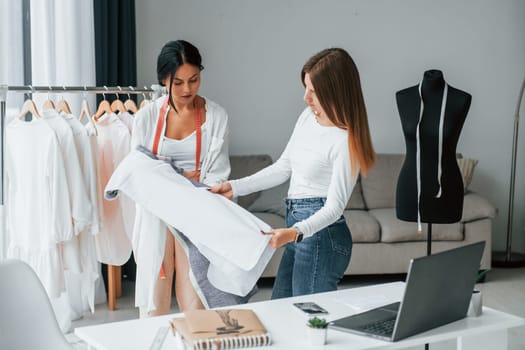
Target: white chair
<point>27,320</point>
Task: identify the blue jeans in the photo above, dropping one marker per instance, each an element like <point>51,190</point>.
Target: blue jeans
<point>318,263</point>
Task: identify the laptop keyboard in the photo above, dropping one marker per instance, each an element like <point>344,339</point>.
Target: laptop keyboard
<point>383,327</point>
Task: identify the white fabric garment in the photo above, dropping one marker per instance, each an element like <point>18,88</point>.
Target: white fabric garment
<point>88,167</point>
<point>113,241</point>
<point>149,233</point>
<point>127,119</point>
<point>81,277</point>
<point>97,198</point>
<point>225,233</point>
<point>100,291</point>
<point>317,161</point>
<point>38,206</point>
<point>81,210</point>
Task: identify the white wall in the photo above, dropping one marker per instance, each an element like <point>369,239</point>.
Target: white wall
<point>253,52</point>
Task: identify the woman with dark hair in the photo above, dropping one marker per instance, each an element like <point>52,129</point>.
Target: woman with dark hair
<point>190,131</point>
<point>329,146</point>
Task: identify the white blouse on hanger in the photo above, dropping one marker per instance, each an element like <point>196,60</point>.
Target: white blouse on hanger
<point>81,209</point>
<point>113,241</point>
<point>127,119</point>
<point>88,167</point>
<point>38,207</point>
<point>81,249</point>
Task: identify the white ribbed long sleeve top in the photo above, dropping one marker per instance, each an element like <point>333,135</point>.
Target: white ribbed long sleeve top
<point>316,159</point>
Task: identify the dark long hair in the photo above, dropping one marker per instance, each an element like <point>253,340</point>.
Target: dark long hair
<point>173,55</point>
<point>337,85</point>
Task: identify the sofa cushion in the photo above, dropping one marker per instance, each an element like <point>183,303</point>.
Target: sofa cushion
<point>395,230</point>
<point>356,199</point>
<point>476,207</point>
<point>466,167</point>
<point>363,226</point>
<point>271,200</point>
<point>379,186</point>
<point>242,166</point>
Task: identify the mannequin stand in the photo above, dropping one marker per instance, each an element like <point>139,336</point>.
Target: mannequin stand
<point>429,239</point>
<point>429,252</point>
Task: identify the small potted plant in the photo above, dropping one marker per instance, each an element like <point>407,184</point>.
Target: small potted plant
<point>476,305</point>
<point>317,330</point>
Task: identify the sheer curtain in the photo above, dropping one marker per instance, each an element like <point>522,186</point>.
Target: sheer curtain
<point>63,46</point>
<point>11,71</point>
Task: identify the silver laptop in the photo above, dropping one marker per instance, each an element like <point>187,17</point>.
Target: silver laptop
<point>438,291</point>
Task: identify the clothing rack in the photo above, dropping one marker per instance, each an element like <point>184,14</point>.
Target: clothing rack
<point>114,288</point>
<point>155,90</point>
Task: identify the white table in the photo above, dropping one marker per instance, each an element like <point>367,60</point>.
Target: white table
<point>288,327</point>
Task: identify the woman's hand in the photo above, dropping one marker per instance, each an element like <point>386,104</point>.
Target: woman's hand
<point>224,189</point>
<point>281,236</point>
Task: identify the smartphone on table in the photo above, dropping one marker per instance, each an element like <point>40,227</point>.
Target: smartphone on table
<point>311,309</point>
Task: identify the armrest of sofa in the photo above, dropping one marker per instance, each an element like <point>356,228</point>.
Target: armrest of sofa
<point>476,207</point>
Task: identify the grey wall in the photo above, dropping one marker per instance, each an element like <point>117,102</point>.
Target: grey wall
<point>253,52</point>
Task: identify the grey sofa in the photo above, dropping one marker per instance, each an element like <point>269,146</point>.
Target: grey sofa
<point>382,243</point>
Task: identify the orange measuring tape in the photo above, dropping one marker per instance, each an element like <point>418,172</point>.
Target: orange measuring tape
<point>158,132</point>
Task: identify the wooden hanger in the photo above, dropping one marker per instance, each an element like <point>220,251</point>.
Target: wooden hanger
<point>118,106</point>
<point>144,101</point>
<point>130,105</point>
<point>29,106</point>
<point>62,105</point>
<point>103,108</point>
<point>48,104</point>
<point>85,112</point>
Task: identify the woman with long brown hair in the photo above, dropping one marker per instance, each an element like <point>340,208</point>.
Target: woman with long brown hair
<point>329,146</point>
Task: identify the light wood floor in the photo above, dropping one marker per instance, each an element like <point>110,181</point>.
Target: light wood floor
<point>503,289</point>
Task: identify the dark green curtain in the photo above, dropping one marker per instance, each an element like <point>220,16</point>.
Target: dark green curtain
<point>116,61</point>
<point>115,44</point>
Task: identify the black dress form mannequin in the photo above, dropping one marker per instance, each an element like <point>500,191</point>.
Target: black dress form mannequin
<point>440,197</point>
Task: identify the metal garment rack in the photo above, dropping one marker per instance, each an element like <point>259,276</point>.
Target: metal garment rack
<point>155,90</point>
<point>84,89</point>
<point>114,286</point>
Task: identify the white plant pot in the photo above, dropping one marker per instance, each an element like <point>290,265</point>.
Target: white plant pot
<point>476,304</point>
<point>317,336</point>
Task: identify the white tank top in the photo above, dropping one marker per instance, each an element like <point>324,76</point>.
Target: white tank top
<point>183,151</point>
